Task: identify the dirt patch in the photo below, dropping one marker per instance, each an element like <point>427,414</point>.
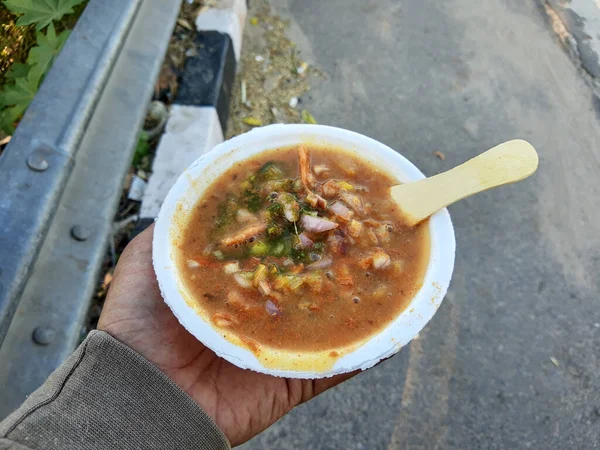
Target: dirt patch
<point>272,78</point>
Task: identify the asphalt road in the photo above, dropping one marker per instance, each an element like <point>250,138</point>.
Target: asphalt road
<point>459,77</point>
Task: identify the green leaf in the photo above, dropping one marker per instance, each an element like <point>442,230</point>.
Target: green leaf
<point>22,92</point>
<point>17,70</point>
<point>307,117</point>
<point>142,149</point>
<point>48,47</point>
<point>40,12</point>
<point>8,116</point>
<point>15,97</point>
<point>14,100</point>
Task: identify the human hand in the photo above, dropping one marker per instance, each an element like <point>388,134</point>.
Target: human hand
<point>241,402</point>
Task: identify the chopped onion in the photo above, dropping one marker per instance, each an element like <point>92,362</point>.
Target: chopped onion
<point>384,233</point>
<point>381,259</point>
<point>338,244</point>
<point>322,264</point>
<point>260,273</point>
<point>314,256</point>
<point>237,300</point>
<point>291,213</point>
<point>288,262</point>
<point>305,241</point>
<point>317,224</point>
<point>315,201</point>
<point>223,320</point>
<point>330,189</point>
<point>264,287</point>
<point>243,281</point>
<point>399,266</point>
<point>355,228</point>
<point>294,282</point>
<point>291,208</point>
<point>291,282</point>
<point>272,308</point>
<point>192,264</point>
<point>232,267</point>
<point>340,210</point>
<point>320,169</point>
<point>354,201</point>
<point>245,216</point>
<point>372,236</point>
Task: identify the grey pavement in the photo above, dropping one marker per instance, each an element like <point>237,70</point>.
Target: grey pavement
<point>460,76</point>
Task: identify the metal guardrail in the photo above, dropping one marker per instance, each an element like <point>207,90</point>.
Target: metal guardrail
<point>61,179</point>
<point>39,159</point>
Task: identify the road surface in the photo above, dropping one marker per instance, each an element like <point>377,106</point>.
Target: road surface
<point>511,360</point>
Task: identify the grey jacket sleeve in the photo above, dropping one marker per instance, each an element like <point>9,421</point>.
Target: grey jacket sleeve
<point>106,396</point>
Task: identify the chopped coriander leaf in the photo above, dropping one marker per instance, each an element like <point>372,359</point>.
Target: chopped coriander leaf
<point>319,246</point>
<point>253,200</point>
<point>291,208</point>
<point>269,172</point>
<point>284,185</point>
<point>225,211</point>
<point>282,246</point>
<point>298,255</point>
<point>274,230</point>
<point>275,208</point>
<point>306,209</point>
<point>259,249</point>
<point>298,187</point>
<point>278,248</point>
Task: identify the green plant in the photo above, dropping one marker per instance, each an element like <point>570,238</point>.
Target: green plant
<point>40,12</point>
<point>23,80</point>
<point>142,150</point>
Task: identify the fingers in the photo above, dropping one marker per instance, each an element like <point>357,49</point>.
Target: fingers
<point>134,277</point>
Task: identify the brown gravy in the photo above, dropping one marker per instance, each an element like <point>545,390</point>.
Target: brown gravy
<point>302,249</point>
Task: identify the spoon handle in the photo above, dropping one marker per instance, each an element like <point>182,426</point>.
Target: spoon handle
<point>506,163</point>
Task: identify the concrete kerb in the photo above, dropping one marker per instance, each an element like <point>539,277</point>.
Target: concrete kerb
<point>198,117</point>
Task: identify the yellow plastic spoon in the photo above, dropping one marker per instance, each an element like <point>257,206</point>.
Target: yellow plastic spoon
<point>506,163</point>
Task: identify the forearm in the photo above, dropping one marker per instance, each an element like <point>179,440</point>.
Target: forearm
<point>107,396</point>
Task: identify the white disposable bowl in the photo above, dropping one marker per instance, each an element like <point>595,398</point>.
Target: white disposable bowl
<point>190,187</point>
